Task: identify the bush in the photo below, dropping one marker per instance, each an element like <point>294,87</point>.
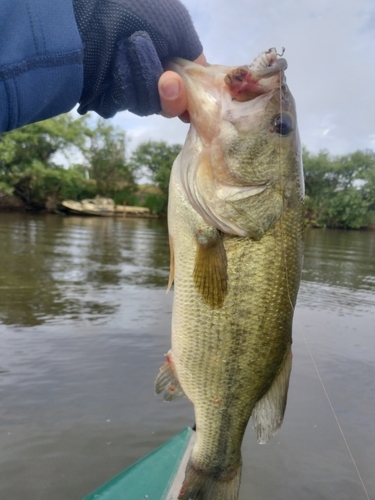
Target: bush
<point>157,203</point>
<point>340,190</point>
<point>39,183</point>
<point>347,209</point>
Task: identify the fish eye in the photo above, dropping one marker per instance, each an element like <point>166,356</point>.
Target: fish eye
<point>283,124</point>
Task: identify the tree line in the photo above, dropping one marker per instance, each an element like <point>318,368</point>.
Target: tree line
<point>66,158</point>
<point>340,190</point>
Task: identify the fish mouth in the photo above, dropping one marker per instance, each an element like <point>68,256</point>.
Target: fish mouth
<point>269,63</point>
<point>264,74</point>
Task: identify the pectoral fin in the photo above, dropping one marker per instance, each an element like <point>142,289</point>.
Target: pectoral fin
<point>210,270</point>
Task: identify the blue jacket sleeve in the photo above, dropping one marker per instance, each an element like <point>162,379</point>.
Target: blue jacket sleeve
<point>41,61</point>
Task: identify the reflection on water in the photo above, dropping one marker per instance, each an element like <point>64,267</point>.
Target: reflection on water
<point>85,324</point>
<point>340,258</point>
<point>56,269</point>
<point>339,270</point>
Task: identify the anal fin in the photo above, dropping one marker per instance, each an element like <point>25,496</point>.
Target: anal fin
<point>210,270</point>
<point>167,381</point>
<point>268,412</point>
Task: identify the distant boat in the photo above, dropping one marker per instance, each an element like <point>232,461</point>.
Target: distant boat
<point>104,207</point>
<point>157,476</point>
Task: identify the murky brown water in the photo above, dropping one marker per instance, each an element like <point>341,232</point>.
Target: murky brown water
<point>85,322</point>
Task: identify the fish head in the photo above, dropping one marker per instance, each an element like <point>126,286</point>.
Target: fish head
<point>247,166</point>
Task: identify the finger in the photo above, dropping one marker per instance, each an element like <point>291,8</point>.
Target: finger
<point>185,117</point>
<point>172,94</point>
<point>201,60</point>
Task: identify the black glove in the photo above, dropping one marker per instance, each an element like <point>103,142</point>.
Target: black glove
<point>125,43</point>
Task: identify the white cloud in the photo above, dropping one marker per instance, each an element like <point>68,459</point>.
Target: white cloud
<point>154,128</point>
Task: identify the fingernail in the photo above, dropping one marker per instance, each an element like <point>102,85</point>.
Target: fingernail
<point>170,90</point>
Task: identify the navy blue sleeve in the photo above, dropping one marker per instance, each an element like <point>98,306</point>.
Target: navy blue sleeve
<point>41,61</point>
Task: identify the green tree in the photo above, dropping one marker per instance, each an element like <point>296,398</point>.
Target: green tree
<point>106,161</point>
<point>368,188</point>
<point>27,160</point>
<point>347,209</point>
<point>38,142</point>
<point>318,170</point>
<point>154,159</point>
<point>355,166</point>
<point>46,186</point>
<point>340,190</point>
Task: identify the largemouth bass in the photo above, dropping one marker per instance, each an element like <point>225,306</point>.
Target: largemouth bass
<point>236,236</point>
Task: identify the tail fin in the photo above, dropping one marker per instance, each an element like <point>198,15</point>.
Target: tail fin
<point>201,485</point>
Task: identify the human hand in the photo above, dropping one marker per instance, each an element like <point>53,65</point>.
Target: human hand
<point>172,93</point>
<point>125,45</point>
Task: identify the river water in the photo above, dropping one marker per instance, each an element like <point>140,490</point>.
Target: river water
<point>85,322</point>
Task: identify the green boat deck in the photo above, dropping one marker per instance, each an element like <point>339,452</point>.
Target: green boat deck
<point>157,476</point>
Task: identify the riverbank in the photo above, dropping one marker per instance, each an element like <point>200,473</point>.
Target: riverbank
<point>12,203</point>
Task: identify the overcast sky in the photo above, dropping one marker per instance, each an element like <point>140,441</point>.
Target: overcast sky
<point>330,49</point>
